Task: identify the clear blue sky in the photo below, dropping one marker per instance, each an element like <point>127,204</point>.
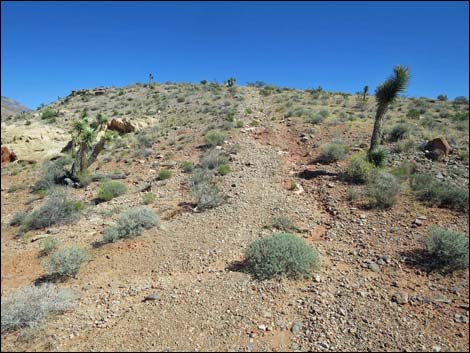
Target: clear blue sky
<point>51,48</point>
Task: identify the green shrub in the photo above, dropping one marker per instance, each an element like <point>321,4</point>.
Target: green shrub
<point>47,246</point>
<point>52,172</point>
<point>48,114</point>
<point>67,262</point>
<point>215,138</point>
<point>239,124</point>
<point>207,195</point>
<point>29,305</point>
<point>280,254</point>
<point>428,189</point>
<point>413,114</point>
<point>110,190</point>
<point>405,170</point>
<point>224,169</point>
<point>18,218</point>
<point>148,198</point>
<point>130,224</point>
<point>449,249</point>
<point>352,194</point>
<point>333,152</point>
<point>379,156</point>
<point>164,174</point>
<point>399,132</point>
<point>382,189</point>
<point>358,169</point>
<point>406,145</point>
<point>283,224</point>
<point>314,118</point>
<point>187,166</point>
<point>85,178</point>
<point>213,159</point>
<point>58,209</point>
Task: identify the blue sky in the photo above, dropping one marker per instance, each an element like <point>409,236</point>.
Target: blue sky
<point>51,48</point>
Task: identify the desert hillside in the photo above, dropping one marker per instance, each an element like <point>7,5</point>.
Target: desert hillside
<point>11,107</point>
<point>211,169</point>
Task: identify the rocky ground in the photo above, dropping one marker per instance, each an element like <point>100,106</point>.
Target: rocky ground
<point>181,287</point>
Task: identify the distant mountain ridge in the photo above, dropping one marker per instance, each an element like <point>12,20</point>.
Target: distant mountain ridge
<point>11,107</point>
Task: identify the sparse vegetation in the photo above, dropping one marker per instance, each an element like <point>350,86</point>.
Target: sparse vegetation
<point>148,198</point>
<point>47,246</point>
<point>358,169</point>
<point>58,209</point>
<point>67,262</point>
<point>428,189</point>
<point>30,305</point>
<point>111,189</point>
<point>449,249</point>
<point>333,152</point>
<point>281,254</point>
<point>379,156</point>
<point>164,174</point>
<point>215,138</point>
<point>382,190</point>
<point>130,224</point>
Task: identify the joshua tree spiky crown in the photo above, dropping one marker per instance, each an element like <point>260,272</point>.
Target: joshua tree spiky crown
<point>388,90</point>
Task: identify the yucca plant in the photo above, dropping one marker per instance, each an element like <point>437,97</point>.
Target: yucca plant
<point>364,93</point>
<point>385,94</point>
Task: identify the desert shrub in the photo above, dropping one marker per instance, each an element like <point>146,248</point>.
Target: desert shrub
<point>49,114</point>
<point>58,209</point>
<point>461,100</point>
<point>67,262</point>
<point>239,124</point>
<point>110,190</point>
<point>130,224</point>
<point>314,118</point>
<point>399,132</point>
<point>405,170</point>
<point>207,195</point>
<point>280,254</point>
<point>333,152</point>
<point>442,97</point>
<point>406,145</point>
<point>413,114</point>
<point>358,169</point>
<point>85,178</point>
<point>283,223</point>
<point>164,174</point>
<point>148,198</point>
<point>29,305</point>
<point>379,156</point>
<point>382,189</point>
<point>47,246</point>
<point>428,189</point>
<point>223,169</point>
<point>18,218</point>
<point>213,159</point>
<point>215,138</point>
<point>187,166</point>
<point>52,172</point>
<point>352,194</point>
<point>449,249</point>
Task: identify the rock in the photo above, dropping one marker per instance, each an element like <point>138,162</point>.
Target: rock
<point>418,222</point>
<point>436,348</point>
<point>7,156</point>
<point>460,318</point>
<point>439,144</point>
<point>153,296</point>
<point>374,267</point>
<point>122,126</point>
<point>262,327</point>
<point>400,298</point>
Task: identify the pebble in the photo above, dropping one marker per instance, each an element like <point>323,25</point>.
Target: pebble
<point>296,327</point>
<point>374,267</point>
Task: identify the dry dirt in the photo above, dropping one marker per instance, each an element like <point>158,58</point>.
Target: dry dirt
<point>206,302</point>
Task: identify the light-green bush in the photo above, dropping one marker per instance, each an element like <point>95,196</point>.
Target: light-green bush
<point>449,249</point>
<point>66,262</point>
<point>281,254</point>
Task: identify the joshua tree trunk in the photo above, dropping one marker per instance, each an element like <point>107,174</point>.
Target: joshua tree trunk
<point>79,164</point>
<point>376,139</point>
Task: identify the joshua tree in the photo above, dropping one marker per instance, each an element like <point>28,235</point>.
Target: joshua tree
<point>231,82</point>
<point>386,94</point>
<point>364,93</point>
<point>85,143</point>
<point>150,78</point>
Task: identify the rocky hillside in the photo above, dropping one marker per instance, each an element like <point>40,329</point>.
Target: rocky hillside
<point>11,107</point>
<point>222,167</point>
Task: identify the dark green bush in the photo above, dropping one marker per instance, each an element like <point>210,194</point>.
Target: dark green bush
<point>215,138</point>
<point>449,249</point>
<point>379,156</point>
<point>399,132</point>
<point>280,254</point>
<point>164,174</point>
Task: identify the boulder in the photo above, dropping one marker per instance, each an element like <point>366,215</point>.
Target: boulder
<point>438,146</point>
<point>122,126</point>
<point>7,156</point>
